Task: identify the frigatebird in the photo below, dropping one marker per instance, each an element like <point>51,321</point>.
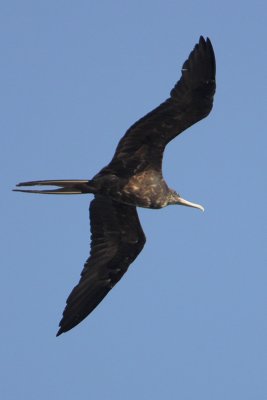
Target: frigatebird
<point>133,179</point>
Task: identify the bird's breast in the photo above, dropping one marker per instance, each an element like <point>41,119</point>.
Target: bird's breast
<point>147,189</point>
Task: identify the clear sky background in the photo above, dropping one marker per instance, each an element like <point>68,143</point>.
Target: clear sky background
<point>188,320</point>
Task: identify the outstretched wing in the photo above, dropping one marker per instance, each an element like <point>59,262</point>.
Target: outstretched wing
<point>116,240</point>
<point>190,100</point>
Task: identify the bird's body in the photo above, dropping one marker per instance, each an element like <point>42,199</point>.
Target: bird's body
<point>133,179</point>
<point>146,189</point>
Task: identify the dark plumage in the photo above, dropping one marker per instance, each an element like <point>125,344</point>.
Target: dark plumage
<point>133,178</point>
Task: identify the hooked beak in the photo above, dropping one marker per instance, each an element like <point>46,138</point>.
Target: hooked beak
<point>187,203</point>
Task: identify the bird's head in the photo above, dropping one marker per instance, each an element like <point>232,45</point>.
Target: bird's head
<point>175,198</point>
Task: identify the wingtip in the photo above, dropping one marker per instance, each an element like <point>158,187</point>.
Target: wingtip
<point>202,39</point>
<point>208,40</point>
<point>205,42</point>
<point>59,332</point>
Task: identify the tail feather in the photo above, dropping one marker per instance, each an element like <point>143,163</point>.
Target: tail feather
<point>66,186</point>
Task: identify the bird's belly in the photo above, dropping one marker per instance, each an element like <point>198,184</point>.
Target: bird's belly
<point>147,189</point>
<point>148,194</point>
<point>145,199</point>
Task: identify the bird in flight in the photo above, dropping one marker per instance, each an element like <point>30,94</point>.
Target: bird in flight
<point>133,179</point>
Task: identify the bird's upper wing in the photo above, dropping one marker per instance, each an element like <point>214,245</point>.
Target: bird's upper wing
<point>116,240</point>
<point>190,100</point>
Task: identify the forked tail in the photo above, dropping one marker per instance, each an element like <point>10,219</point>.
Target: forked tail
<point>66,186</point>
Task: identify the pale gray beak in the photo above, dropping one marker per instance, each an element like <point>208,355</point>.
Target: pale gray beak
<point>187,203</point>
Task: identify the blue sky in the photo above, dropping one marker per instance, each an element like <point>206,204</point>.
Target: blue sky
<point>188,320</point>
